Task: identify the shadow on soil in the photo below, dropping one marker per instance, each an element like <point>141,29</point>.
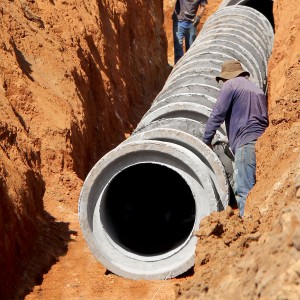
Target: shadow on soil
<point>51,243</point>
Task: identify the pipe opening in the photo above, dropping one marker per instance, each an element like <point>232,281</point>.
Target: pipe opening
<point>263,6</point>
<point>148,209</point>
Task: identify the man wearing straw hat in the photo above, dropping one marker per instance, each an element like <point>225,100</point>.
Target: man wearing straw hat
<point>243,107</point>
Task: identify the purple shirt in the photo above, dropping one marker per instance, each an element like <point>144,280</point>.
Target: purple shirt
<point>243,107</point>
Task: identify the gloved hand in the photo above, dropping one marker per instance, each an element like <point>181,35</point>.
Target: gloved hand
<point>196,21</point>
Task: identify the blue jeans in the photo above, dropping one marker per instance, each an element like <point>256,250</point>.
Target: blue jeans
<point>182,31</point>
<point>244,173</point>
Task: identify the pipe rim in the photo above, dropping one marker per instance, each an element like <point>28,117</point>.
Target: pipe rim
<point>175,264</point>
<point>162,112</point>
<point>203,88</point>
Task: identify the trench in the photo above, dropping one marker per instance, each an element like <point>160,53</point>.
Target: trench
<point>142,202</point>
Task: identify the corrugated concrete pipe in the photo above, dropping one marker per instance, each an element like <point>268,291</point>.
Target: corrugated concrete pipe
<point>141,203</point>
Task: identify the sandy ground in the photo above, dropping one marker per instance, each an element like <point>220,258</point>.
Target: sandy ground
<point>78,275</point>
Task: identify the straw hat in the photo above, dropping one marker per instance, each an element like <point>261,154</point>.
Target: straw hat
<point>231,69</point>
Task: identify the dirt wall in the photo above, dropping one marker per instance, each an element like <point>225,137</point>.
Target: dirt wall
<point>76,77</point>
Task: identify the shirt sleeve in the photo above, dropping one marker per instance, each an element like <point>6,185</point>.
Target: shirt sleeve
<point>218,113</point>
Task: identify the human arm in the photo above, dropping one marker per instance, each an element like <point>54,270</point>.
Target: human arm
<point>176,10</point>
<point>201,9</point>
<point>218,114</point>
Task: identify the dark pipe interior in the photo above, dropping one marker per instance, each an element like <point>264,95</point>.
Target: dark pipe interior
<point>263,6</point>
<point>148,209</point>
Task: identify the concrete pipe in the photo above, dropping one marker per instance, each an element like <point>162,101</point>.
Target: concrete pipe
<point>141,203</point>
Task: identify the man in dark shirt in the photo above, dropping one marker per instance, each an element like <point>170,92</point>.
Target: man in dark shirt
<point>242,105</point>
<point>185,22</point>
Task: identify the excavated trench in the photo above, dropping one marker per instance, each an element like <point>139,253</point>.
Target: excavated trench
<point>141,203</point>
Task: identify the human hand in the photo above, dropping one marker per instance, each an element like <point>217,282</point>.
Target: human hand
<point>196,21</point>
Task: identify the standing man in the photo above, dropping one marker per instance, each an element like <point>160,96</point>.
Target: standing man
<point>243,107</point>
<point>185,22</point>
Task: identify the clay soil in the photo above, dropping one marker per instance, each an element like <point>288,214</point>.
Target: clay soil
<point>76,77</point>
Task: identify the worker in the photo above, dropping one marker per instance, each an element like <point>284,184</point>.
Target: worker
<point>185,22</point>
<point>243,107</point>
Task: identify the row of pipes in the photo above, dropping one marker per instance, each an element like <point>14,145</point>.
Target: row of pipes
<point>142,202</point>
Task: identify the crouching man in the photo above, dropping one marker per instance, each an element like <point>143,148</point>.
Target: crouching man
<point>242,105</point>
